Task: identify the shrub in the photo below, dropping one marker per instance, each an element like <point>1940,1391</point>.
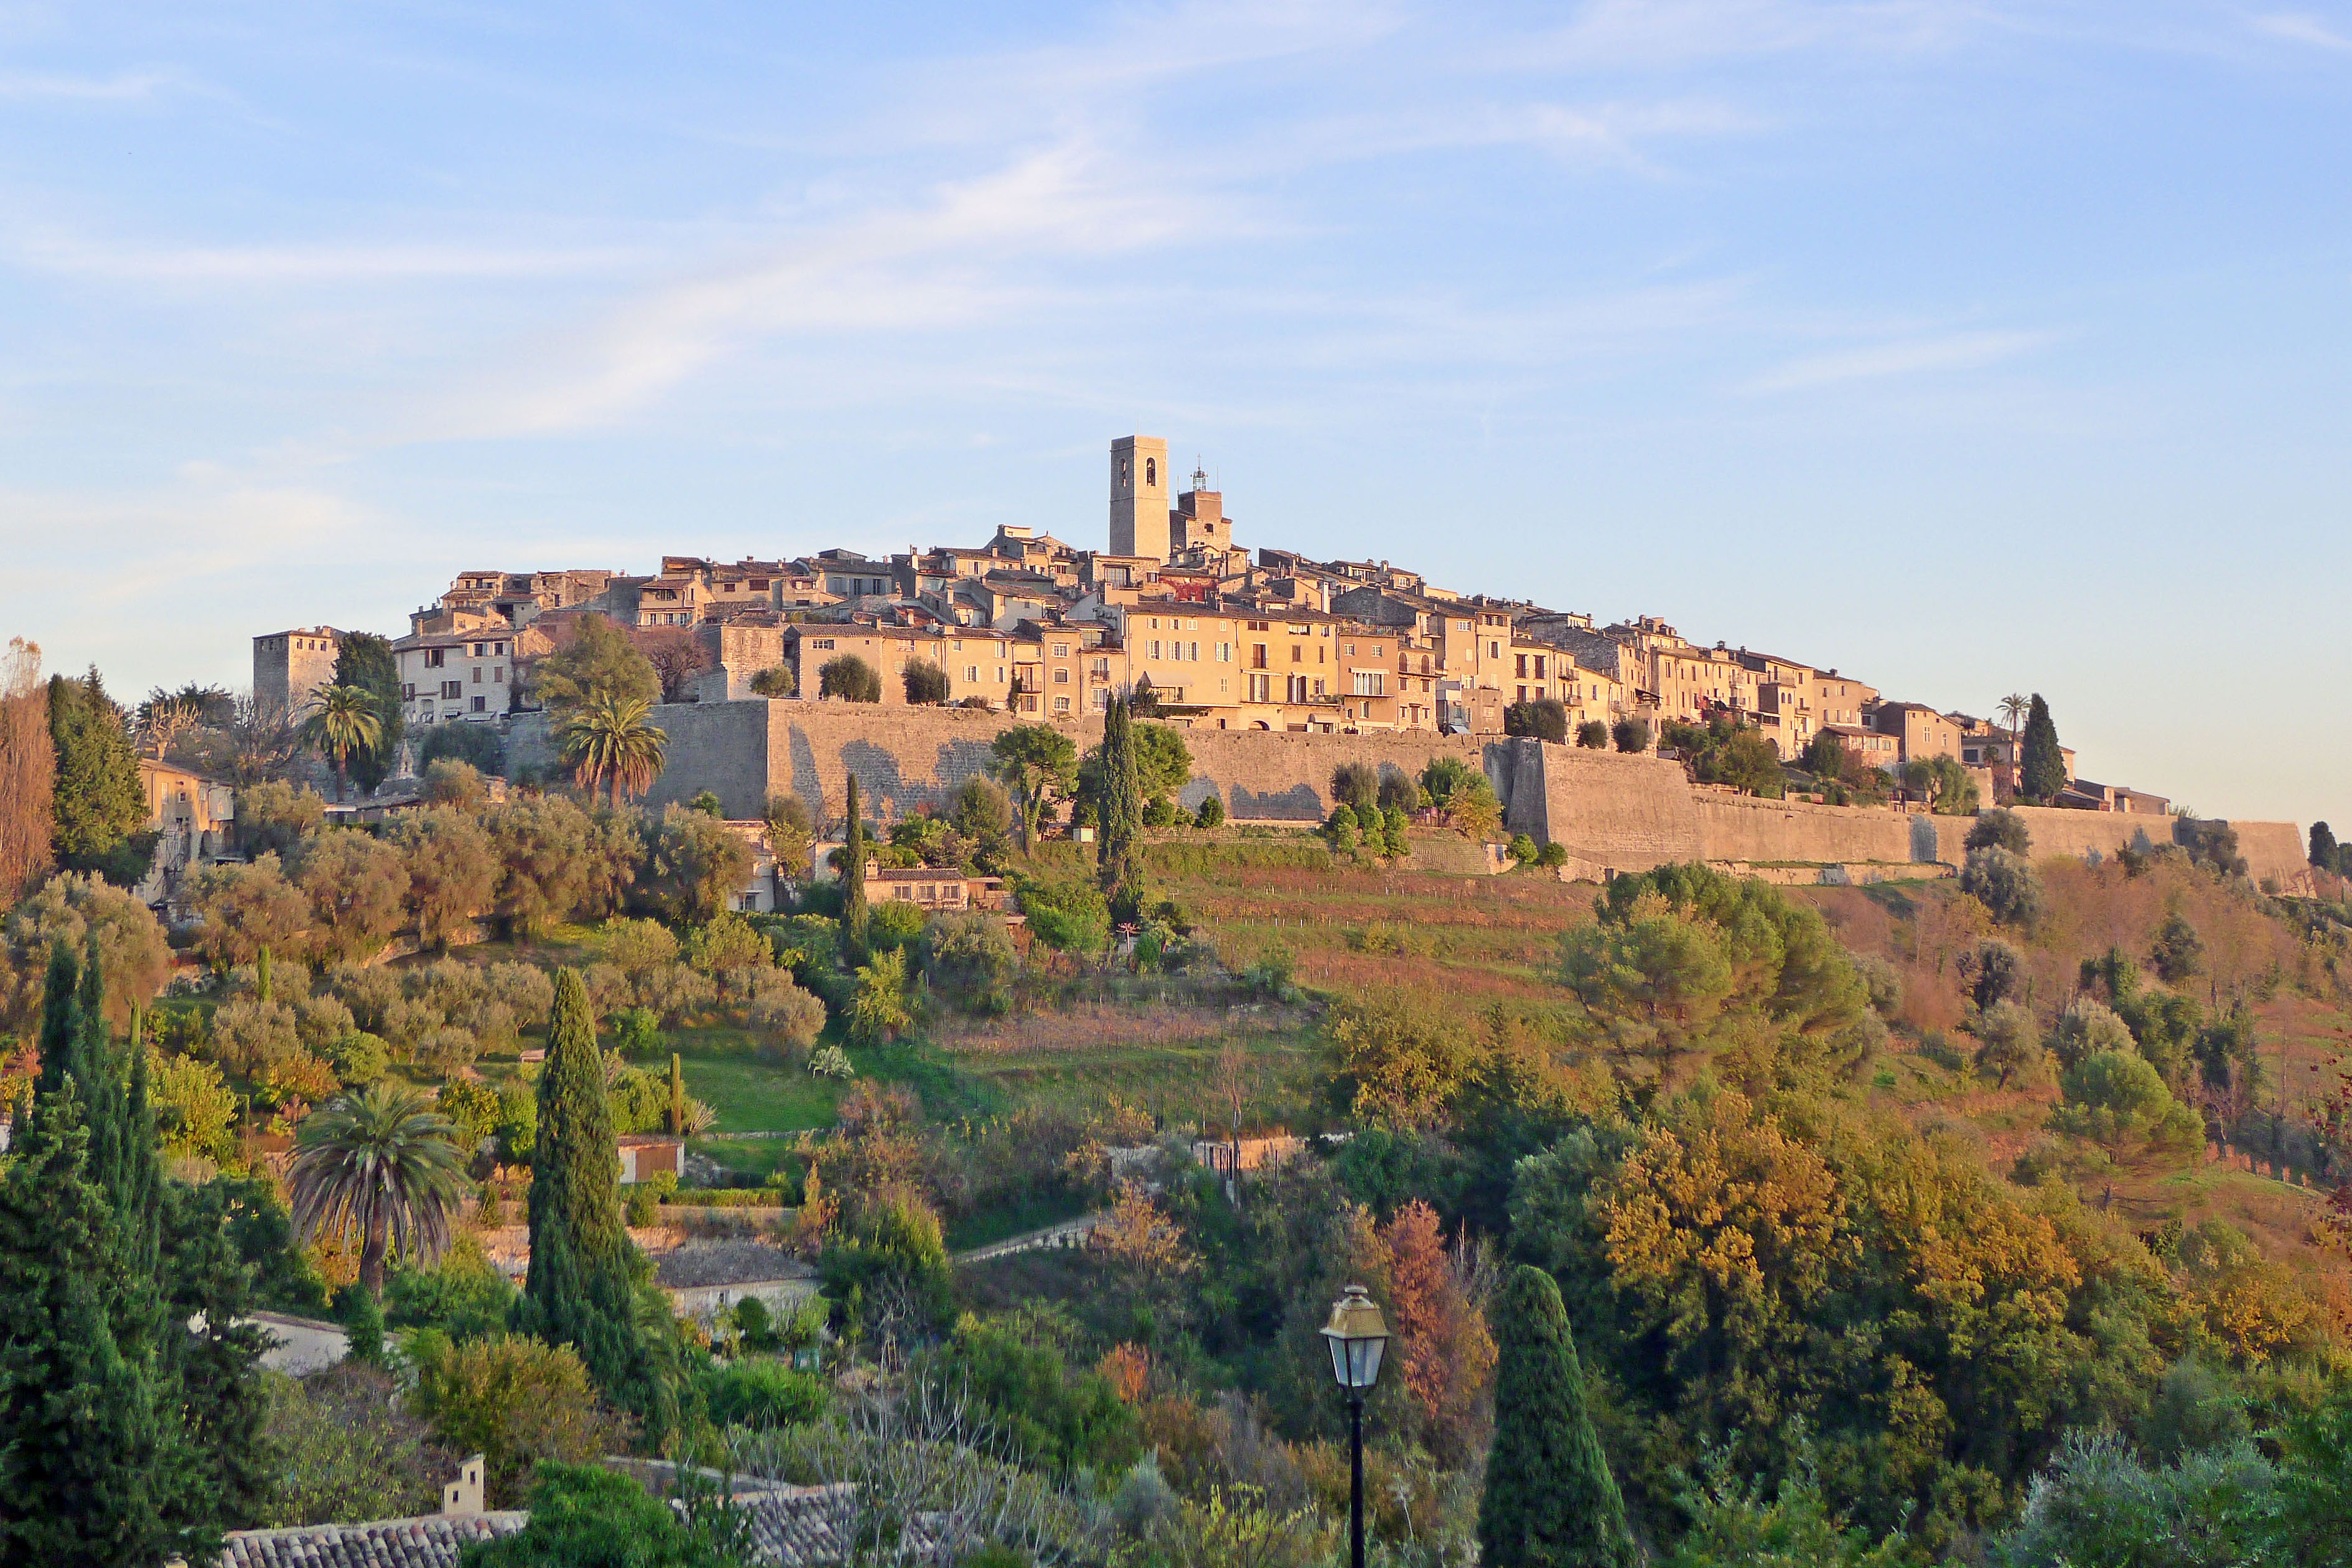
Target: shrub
<point>1212,813</point>
<point>2116,1098</point>
<point>1356,785</point>
<point>849,677</point>
<point>1552,857</point>
<point>514,1401</point>
<point>1059,1419</point>
<point>832,1062</point>
<point>464,1296</point>
<point>1339,829</point>
<point>1160,813</point>
<point>970,957</point>
<point>2001,829</point>
<point>926,683</point>
<point>2087,1027</point>
<point>894,924</point>
<point>762,1393</point>
<point>345,1448</point>
<point>2178,952</point>
<point>2005,883</point>
<point>776,680</point>
<point>582,1516</point>
<point>1523,850</point>
<point>1631,734</point>
<point>786,1018</point>
<point>1070,916</point>
<point>1544,719</point>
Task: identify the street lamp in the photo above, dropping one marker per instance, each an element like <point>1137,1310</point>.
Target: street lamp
<point>1357,1335</point>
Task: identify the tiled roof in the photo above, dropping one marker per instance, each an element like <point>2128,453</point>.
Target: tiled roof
<point>432,1542</point>
<point>805,1526</point>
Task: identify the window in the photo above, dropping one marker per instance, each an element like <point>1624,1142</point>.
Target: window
<point>1060,705</point>
<point>1257,656</point>
<point>433,657</point>
<point>1494,650</point>
<point>1261,689</point>
<point>1370,683</point>
<point>971,673</point>
<point>1522,673</point>
<point>497,675</point>
<point>1100,700</point>
<point>822,645</point>
<point>1000,675</point>
<point>1224,653</point>
<point>1061,650</point>
<point>1351,651</point>
<point>1155,644</point>
<point>478,705</point>
<point>453,689</point>
<point>1150,472</point>
<point>408,693</point>
<point>1061,674</point>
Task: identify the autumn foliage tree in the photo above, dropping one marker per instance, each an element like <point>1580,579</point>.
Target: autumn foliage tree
<point>27,769</point>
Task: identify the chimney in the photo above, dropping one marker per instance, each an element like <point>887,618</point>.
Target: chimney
<point>464,1495</point>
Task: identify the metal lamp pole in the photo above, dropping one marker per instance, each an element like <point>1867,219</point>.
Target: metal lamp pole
<point>1356,1336</point>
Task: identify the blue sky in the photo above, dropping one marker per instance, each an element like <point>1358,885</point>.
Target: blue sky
<point>1969,347</point>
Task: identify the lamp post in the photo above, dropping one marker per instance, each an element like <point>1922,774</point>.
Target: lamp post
<point>1356,1335</point>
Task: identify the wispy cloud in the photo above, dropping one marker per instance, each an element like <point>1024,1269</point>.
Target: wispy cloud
<point>50,249</point>
<point>1660,34</point>
<point>2302,28</point>
<point>123,87</point>
<point>1914,356</point>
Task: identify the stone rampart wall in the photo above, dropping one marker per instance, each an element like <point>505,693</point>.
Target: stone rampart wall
<point>1611,810</point>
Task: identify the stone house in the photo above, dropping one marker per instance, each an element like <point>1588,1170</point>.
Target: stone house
<point>445,677</point>
<point>194,820</point>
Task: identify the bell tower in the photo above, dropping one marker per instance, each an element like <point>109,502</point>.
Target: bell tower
<point>1139,497</point>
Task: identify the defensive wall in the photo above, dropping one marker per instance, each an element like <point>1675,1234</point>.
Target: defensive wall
<point>1609,811</point>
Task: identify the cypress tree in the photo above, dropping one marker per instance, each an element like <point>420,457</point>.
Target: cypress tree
<point>81,1446</point>
<point>677,1097</point>
<point>1118,854</point>
<point>1550,1502</point>
<point>215,1371</point>
<point>2042,765</point>
<point>852,876</point>
<point>582,1285</point>
<point>2322,847</point>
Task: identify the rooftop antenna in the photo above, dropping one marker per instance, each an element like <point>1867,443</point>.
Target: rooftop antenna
<point>1200,474</point>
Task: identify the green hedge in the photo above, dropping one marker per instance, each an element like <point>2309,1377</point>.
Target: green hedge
<point>728,1198</point>
<point>1303,853</point>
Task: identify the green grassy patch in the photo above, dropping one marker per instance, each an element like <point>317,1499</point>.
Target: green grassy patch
<point>1002,1224</point>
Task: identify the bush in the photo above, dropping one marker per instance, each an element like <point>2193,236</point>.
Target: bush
<point>2001,829</point>
<point>849,677</point>
<point>1552,857</point>
<point>1631,734</point>
<point>1340,829</point>
<point>969,958</point>
<point>464,1296</point>
<point>1160,813</point>
<point>1070,916</point>
<point>1356,785</point>
<point>894,923</point>
<point>762,1393</point>
<point>926,683</point>
<point>514,1401</point>
<point>1593,735</point>
<point>832,1062</point>
<point>776,680</point>
<point>2114,1097</point>
<point>1212,813</point>
<point>1523,850</point>
<point>2005,883</point>
<point>346,1450</point>
<point>479,746</point>
<point>1058,1418</point>
<point>584,1516</point>
<point>1544,719</point>
<point>2086,1029</point>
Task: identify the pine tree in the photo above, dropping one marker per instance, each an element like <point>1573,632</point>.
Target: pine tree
<point>582,1286</point>
<point>2043,768</point>
<point>1550,1502</point>
<point>83,1452</point>
<point>852,876</point>
<point>1119,850</point>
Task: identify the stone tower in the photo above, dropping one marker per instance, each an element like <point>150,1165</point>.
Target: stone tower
<point>289,667</point>
<point>1139,497</point>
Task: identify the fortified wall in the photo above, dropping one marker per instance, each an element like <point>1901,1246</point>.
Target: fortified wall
<point>1609,811</point>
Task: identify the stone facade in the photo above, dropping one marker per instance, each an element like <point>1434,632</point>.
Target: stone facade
<point>289,667</point>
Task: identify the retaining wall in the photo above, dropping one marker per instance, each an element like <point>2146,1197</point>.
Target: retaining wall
<point>1611,812</point>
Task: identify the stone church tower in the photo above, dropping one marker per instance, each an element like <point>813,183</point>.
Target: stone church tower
<point>1139,497</point>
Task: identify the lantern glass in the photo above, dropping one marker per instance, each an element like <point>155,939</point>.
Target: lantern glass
<point>1358,1336</point>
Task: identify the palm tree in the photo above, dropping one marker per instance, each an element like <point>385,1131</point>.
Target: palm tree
<point>383,1161</point>
<point>2013,708</point>
<point>343,721</point>
<point>608,738</point>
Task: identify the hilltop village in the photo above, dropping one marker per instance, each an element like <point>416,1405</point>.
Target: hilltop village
<point>1212,634</point>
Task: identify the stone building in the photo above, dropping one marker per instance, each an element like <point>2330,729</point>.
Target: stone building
<point>289,667</point>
